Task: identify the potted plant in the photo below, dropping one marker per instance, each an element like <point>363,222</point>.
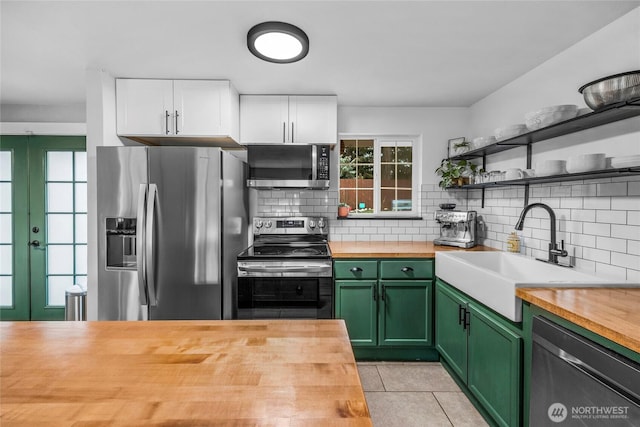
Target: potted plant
<point>455,173</point>
<point>343,210</point>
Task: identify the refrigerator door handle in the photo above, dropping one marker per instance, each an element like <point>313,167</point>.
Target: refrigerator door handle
<point>140,239</point>
<point>149,225</point>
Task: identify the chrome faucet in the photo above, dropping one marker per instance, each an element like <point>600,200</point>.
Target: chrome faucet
<point>554,252</point>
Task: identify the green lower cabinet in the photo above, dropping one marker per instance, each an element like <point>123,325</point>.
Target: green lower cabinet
<point>483,350</point>
<point>356,303</point>
<point>405,314</point>
<point>387,306</point>
<point>451,337</point>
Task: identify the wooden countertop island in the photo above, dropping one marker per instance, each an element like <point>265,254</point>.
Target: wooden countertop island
<point>180,373</point>
<point>393,249</point>
<point>608,312</point>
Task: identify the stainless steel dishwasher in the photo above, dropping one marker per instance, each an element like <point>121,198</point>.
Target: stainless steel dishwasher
<point>577,382</point>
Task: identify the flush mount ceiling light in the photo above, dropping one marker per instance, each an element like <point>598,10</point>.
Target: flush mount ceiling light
<point>278,42</point>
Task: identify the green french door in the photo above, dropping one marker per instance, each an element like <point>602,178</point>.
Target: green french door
<point>43,224</point>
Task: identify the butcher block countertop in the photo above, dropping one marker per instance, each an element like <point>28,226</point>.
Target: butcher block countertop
<point>393,249</point>
<point>180,373</point>
<point>611,313</point>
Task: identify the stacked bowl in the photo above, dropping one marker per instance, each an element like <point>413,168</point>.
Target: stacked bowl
<point>549,116</point>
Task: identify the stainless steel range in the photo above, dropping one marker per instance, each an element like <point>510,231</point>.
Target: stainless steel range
<point>287,273</point>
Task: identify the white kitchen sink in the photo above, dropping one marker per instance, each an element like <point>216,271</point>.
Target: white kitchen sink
<point>492,278</point>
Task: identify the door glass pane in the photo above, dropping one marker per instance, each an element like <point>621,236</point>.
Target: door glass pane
<point>59,166</point>
<point>81,228</point>
<point>5,196</point>
<point>60,259</point>
<point>66,233</point>
<point>60,228</point>
<point>6,291</point>
<point>56,286</point>
<point>6,260</point>
<point>5,165</point>
<point>80,173</point>
<point>81,197</point>
<point>6,235</point>
<point>59,197</point>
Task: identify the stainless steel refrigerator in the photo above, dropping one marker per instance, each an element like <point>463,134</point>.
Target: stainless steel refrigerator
<point>171,221</point>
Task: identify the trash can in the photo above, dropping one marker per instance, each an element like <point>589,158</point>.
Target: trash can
<point>75,303</point>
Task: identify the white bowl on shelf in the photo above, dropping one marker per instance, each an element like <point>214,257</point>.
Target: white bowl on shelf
<point>510,131</point>
<point>549,116</point>
<point>626,162</point>
<point>586,163</point>
<point>483,141</point>
<point>551,167</point>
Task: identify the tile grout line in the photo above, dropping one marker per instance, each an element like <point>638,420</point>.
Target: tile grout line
<point>381,380</point>
<point>441,407</point>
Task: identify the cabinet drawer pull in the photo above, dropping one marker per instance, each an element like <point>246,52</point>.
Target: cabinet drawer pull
<point>406,269</point>
<point>355,269</point>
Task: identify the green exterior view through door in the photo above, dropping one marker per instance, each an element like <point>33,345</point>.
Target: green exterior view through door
<point>43,224</point>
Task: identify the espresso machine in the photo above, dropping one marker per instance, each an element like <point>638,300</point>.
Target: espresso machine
<point>457,228</point>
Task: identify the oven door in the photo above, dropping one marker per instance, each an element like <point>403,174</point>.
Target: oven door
<point>285,298</point>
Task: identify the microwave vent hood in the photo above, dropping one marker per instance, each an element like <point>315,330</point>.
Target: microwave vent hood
<point>288,166</point>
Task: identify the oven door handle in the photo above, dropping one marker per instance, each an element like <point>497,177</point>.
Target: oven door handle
<point>306,268</point>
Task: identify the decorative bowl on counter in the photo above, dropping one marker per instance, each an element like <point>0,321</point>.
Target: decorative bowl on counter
<point>551,167</point>
<point>447,206</point>
<point>507,132</point>
<point>550,115</point>
<point>586,163</point>
<point>611,89</point>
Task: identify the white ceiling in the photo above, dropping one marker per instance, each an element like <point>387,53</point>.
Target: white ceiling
<point>373,53</point>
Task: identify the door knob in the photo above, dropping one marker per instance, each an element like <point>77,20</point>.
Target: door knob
<point>34,243</point>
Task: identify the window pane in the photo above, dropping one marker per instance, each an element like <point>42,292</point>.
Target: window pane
<point>404,154</point>
<point>347,150</point>
<point>59,166</point>
<point>404,175</point>
<point>364,201</point>
<point>81,259</point>
<point>388,175</point>
<point>5,165</point>
<point>5,228</point>
<point>56,285</point>
<point>59,197</point>
<point>82,281</point>
<point>348,197</point>
<point>81,166</point>
<point>365,151</point>
<point>81,197</point>
<point>365,176</point>
<point>60,228</point>
<point>60,259</point>
<point>6,259</point>
<point>6,291</point>
<point>388,154</point>
<point>81,228</point>
<point>5,197</point>
<point>347,172</point>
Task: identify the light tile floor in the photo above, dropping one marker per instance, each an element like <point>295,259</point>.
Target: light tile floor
<point>415,394</point>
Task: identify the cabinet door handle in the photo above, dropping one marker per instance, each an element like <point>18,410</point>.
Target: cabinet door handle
<point>383,293</point>
<point>461,312</point>
<point>355,269</point>
<point>284,131</point>
<point>292,134</point>
<point>406,269</point>
<point>375,293</point>
<point>177,115</point>
<point>166,121</point>
<point>467,321</point>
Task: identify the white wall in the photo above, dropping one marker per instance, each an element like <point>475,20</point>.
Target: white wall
<point>101,131</point>
<point>71,113</point>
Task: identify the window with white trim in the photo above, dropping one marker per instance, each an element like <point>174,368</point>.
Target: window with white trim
<point>379,176</point>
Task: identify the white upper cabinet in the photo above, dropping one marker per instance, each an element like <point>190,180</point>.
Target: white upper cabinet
<point>269,119</point>
<point>148,109</point>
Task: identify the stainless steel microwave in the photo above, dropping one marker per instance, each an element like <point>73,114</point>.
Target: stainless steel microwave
<point>288,166</point>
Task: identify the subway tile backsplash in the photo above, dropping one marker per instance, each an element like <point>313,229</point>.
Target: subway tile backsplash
<point>599,220</point>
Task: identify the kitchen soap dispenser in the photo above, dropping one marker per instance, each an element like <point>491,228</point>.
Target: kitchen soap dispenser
<point>513,242</point>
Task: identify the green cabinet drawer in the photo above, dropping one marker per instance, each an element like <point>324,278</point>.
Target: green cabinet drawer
<point>354,269</point>
<point>406,269</point>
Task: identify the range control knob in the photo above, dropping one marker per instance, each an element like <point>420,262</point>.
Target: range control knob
<point>259,224</point>
<point>321,223</point>
<point>268,224</point>
<point>312,224</point>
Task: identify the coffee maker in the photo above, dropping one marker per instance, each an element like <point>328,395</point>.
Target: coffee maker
<point>457,228</point>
